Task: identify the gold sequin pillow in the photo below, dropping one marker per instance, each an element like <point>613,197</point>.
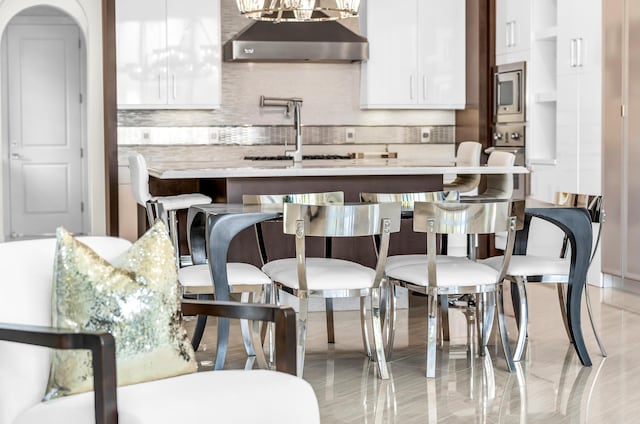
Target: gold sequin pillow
<point>136,299</point>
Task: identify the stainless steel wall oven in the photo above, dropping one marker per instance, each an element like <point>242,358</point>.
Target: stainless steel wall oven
<point>509,118</point>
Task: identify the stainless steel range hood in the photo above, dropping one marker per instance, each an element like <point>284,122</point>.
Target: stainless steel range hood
<point>296,42</point>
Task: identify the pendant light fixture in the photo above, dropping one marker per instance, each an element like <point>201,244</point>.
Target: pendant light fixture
<point>298,10</point>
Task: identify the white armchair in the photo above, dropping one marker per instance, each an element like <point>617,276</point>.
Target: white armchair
<point>215,396</point>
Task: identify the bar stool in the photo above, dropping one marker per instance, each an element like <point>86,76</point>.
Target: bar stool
<point>160,207</point>
<point>468,155</point>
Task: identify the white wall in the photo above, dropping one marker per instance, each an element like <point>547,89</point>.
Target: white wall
<point>88,15</point>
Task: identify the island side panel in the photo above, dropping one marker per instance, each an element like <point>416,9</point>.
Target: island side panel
<point>243,248</point>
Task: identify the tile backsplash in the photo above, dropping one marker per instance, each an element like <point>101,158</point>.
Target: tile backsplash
<point>278,135</point>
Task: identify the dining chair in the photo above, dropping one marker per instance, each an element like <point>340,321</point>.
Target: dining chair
<point>407,201</point>
<point>320,198</point>
<point>327,277</point>
<point>468,154</point>
<point>435,277</point>
<point>530,268</point>
<point>160,207</point>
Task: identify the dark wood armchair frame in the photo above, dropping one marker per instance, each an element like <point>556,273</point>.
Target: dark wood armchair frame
<point>103,348</point>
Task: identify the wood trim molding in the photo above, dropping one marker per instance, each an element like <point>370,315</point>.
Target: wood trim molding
<point>110,114</point>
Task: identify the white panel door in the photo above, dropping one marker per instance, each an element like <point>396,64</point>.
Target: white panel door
<point>193,46</point>
<point>45,136</point>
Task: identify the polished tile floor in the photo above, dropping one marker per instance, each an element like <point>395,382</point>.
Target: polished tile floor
<point>550,386</point>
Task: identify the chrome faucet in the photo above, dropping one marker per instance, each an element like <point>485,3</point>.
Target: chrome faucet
<point>288,105</point>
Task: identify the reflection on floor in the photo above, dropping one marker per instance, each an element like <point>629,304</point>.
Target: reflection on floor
<point>550,386</point>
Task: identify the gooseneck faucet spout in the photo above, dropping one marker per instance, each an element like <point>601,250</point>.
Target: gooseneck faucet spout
<point>288,104</point>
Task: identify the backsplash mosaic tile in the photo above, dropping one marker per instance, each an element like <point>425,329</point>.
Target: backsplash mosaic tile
<point>280,135</point>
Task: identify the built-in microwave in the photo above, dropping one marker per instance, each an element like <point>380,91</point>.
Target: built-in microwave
<point>509,96</point>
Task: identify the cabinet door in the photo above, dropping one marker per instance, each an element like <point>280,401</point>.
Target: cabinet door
<point>579,35</point>
<point>441,55</point>
<point>193,52</point>
<point>390,76</point>
<point>513,26</point>
<point>141,59</point>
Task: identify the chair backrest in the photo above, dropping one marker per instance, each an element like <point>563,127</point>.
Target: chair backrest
<point>500,186</point>
<point>468,153</point>
<point>479,217</point>
<point>27,274</point>
<point>462,218</point>
<point>407,200</point>
<point>351,220</point>
<point>323,198</point>
<point>594,204</point>
<point>139,179</point>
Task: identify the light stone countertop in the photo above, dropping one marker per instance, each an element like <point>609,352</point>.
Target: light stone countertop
<point>314,168</point>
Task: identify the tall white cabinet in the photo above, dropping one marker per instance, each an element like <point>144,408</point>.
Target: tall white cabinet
<point>416,54</point>
<point>564,62</point>
<point>168,53</point>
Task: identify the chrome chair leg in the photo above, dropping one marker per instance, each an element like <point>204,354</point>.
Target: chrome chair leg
<point>480,322</point>
<point>173,231</point>
<point>502,326</point>
<point>593,325</point>
<point>390,326</point>
<point>302,332</point>
<point>444,317</point>
<point>432,328</point>
<point>522,322</point>
<point>364,327</point>
<point>490,312</point>
<point>329,314</point>
<point>376,323</point>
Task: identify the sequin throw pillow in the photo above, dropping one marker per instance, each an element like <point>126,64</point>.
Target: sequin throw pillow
<point>136,300</point>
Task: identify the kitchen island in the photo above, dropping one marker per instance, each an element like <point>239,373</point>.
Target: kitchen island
<point>227,181</point>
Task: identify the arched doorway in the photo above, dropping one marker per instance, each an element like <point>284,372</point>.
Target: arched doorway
<point>101,156</point>
<point>44,58</point>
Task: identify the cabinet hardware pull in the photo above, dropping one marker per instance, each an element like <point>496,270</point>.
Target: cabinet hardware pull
<point>572,53</point>
<point>173,83</point>
<point>424,87</point>
<point>579,52</point>
<point>513,33</point>
<point>411,87</point>
<point>159,86</point>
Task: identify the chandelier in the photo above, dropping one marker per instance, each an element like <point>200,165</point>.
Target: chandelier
<point>298,10</point>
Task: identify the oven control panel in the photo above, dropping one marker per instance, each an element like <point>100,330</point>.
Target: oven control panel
<point>512,135</point>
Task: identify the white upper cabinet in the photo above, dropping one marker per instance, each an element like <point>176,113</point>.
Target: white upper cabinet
<point>513,26</point>
<point>168,53</point>
<point>416,54</point>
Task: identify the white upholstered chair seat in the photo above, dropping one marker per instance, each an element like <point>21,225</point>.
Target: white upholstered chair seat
<point>402,260</point>
<point>197,278</point>
<point>458,273</point>
<point>322,274</point>
<point>525,265</point>
<point>182,201</point>
<point>220,395</point>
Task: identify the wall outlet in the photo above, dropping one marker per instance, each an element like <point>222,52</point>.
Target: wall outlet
<point>146,136</point>
<point>214,135</point>
<point>350,135</point>
<point>425,134</point>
